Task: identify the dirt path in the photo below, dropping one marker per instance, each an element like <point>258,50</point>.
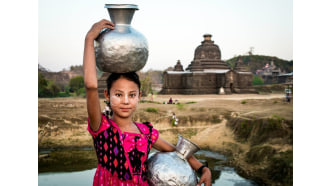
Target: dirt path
<point>236,97</point>
<point>185,127</point>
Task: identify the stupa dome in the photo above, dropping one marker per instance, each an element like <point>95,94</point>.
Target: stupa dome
<point>207,56</point>
<point>207,50</point>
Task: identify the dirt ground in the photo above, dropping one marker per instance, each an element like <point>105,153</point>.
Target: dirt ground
<point>62,121</point>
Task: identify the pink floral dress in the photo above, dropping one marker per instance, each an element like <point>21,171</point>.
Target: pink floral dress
<point>122,156</point>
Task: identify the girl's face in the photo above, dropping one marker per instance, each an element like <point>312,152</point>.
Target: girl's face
<point>124,97</point>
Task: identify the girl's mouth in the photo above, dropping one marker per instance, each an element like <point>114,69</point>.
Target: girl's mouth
<point>125,109</point>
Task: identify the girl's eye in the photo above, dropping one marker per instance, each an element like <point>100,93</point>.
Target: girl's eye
<point>132,95</point>
<point>118,95</point>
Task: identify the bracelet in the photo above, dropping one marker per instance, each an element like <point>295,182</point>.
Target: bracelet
<point>201,168</point>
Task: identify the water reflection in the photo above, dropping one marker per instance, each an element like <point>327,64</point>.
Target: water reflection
<point>68,160</point>
<point>81,178</point>
<point>221,175</point>
<point>77,167</point>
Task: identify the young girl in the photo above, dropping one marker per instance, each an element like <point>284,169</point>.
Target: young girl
<point>122,146</point>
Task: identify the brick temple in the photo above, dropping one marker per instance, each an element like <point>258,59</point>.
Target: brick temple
<point>208,74</point>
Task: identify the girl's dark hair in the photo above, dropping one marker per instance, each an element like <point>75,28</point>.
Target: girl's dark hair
<point>132,76</point>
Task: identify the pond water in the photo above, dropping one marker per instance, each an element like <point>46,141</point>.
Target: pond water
<point>61,170</point>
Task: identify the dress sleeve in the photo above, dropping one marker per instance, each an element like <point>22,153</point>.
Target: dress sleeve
<point>104,125</point>
<point>154,134</point>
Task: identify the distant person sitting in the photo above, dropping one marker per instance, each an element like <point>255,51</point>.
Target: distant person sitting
<point>288,97</point>
<point>170,101</point>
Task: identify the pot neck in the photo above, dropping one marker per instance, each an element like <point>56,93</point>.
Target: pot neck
<point>182,156</point>
<point>185,148</point>
<point>121,15</point>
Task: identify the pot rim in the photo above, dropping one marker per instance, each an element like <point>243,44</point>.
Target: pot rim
<point>121,6</point>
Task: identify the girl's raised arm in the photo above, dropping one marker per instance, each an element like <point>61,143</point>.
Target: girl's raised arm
<point>90,78</point>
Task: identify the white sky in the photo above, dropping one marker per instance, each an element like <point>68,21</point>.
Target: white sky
<point>173,28</point>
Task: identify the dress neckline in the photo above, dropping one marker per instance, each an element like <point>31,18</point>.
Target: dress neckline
<point>116,125</point>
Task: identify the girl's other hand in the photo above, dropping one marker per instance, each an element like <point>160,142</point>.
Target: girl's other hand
<point>205,177</point>
<point>97,27</point>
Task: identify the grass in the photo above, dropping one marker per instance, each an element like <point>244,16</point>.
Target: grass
<point>259,153</point>
<point>147,101</point>
<point>245,129</point>
<point>180,106</point>
<point>153,110</point>
<point>259,131</point>
<point>188,133</point>
<point>243,102</point>
<point>281,168</point>
<point>277,117</point>
<point>215,119</point>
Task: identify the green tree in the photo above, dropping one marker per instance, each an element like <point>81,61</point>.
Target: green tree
<point>76,83</point>
<point>53,88</point>
<point>146,87</point>
<point>81,92</point>
<point>42,85</point>
<point>47,88</point>
<point>257,80</point>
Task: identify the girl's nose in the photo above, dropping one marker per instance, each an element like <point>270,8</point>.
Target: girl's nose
<point>126,99</point>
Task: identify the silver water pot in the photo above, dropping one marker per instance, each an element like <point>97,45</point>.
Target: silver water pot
<point>172,168</point>
<point>123,49</point>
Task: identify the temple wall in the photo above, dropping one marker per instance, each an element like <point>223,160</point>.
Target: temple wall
<point>193,83</point>
<point>207,83</point>
<point>245,80</point>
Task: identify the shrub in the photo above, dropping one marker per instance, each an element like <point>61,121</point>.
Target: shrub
<point>47,88</point>
<point>146,87</point>
<point>42,85</point>
<point>76,83</point>
<point>150,109</point>
<point>63,94</point>
<point>257,80</point>
<point>258,154</point>
<point>281,168</point>
<point>81,92</point>
<point>243,102</point>
<point>54,88</point>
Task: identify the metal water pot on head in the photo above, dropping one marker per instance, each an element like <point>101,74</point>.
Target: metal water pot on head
<point>123,49</point>
<point>172,168</point>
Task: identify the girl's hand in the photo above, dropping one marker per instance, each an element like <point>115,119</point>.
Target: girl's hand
<point>97,27</point>
<point>205,178</point>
